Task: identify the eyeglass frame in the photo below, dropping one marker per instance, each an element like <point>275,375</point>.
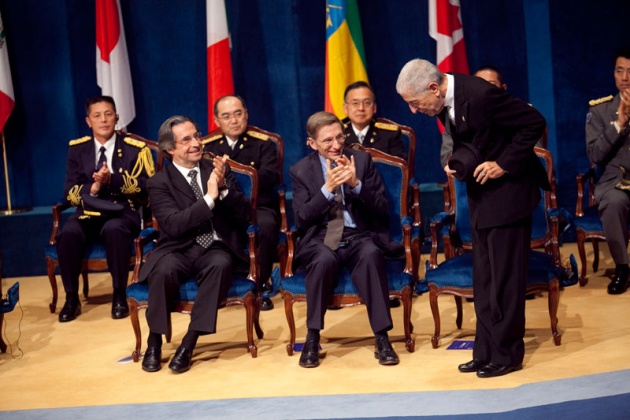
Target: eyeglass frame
<point>238,115</point>
<point>367,103</point>
<point>187,140</point>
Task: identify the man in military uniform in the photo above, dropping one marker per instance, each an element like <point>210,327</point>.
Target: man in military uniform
<point>361,127</point>
<point>253,149</point>
<point>105,181</point>
<point>608,145</point>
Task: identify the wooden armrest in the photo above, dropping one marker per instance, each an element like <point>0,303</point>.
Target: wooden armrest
<point>415,205</point>
<point>57,209</point>
<point>436,226</point>
<point>253,264</point>
<point>288,271</point>
<point>282,203</point>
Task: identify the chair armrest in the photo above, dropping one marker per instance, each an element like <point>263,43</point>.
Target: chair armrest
<point>252,233</point>
<point>415,203</point>
<point>437,223</point>
<point>146,236</point>
<point>581,180</point>
<point>57,209</point>
<point>552,246</point>
<point>447,197</point>
<point>288,270</point>
<point>407,228</point>
<point>282,204</point>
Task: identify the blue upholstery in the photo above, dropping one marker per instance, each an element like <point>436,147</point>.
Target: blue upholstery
<point>401,273</point>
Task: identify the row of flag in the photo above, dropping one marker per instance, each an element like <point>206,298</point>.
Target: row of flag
<point>345,55</point>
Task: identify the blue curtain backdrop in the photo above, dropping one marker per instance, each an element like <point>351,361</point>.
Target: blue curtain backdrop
<point>556,55</point>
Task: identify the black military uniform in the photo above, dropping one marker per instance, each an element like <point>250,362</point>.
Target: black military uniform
<point>256,150</point>
<point>384,137</point>
<point>112,215</point>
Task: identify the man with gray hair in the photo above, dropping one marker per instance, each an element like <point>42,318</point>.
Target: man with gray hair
<point>494,135</point>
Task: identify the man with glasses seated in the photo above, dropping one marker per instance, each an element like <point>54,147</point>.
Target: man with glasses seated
<point>361,127</point>
<point>340,212</point>
<point>242,146</point>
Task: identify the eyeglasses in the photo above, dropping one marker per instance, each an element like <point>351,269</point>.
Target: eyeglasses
<point>188,139</point>
<point>236,114</point>
<point>340,139</point>
<point>357,104</point>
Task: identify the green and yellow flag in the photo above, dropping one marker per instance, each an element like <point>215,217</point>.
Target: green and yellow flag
<point>345,57</point>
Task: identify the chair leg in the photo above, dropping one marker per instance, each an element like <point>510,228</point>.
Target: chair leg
<point>259,332</point>
<point>581,238</point>
<point>288,309</point>
<point>460,312</point>
<point>596,254</point>
<point>249,324</point>
<point>135,323</point>
<point>554,302</point>
<point>410,343</point>
<point>3,345</point>
<point>50,269</point>
<point>433,295</point>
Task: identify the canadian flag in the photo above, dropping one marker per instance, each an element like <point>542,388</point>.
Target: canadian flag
<point>445,26</point>
<point>112,61</point>
<point>220,81</point>
<point>7,97</point>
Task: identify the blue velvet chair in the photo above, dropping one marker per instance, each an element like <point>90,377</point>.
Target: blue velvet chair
<point>94,259</point>
<point>454,275</point>
<point>588,225</point>
<point>401,273</point>
<point>243,290</point>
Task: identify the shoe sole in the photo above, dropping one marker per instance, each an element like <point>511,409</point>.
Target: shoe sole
<point>146,369</point>
<point>179,370</point>
<point>515,369</point>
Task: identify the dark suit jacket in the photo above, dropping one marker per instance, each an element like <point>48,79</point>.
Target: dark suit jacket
<point>124,188</point>
<point>505,129</point>
<point>179,213</point>
<point>259,154</point>
<point>384,137</point>
<point>368,209</point>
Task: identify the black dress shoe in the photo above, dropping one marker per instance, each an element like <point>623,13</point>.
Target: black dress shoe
<point>492,370</point>
<point>394,303</point>
<point>181,361</point>
<point>152,360</point>
<point>473,366</point>
<point>120,309</point>
<point>384,352</point>
<point>310,354</point>
<point>619,283</point>
<point>266,305</point>
<point>71,310</point>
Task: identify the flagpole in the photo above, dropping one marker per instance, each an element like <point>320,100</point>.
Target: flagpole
<point>9,209</point>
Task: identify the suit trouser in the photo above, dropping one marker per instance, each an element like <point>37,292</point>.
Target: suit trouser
<point>75,236</point>
<point>367,264</point>
<point>614,210</point>
<point>500,264</point>
<point>211,268</point>
<point>267,220</point>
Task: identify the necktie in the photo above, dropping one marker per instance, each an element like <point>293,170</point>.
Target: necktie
<point>334,230</point>
<point>204,237</point>
<point>361,136</point>
<point>102,158</point>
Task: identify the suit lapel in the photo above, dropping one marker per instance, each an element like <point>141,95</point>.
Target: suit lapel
<point>180,183</point>
<point>88,157</point>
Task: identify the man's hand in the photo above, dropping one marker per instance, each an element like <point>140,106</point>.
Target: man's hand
<point>486,171</point>
<point>101,178</point>
<point>623,112</point>
<point>343,171</point>
<point>449,172</point>
<point>217,177</point>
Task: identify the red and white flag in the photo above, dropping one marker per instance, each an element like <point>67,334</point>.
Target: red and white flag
<point>445,26</point>
<point>220,81</point>
<point>7,97</point>
<point>112,61</point>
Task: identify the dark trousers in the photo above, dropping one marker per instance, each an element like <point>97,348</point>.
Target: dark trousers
<point>367,264</point>
<point>211,268</point>
<point>267,220</point>
<point>614,211</point>
<point>75,236</point>
<point>500,264</point>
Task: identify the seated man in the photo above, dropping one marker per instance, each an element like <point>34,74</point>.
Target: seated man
<point>105,180</point>
<point>361,127</point>
<point>608,144</point>
<point>203,218</point>
<point>341,215</point>
<point>230,114</point>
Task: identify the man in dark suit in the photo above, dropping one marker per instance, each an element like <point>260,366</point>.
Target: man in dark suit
<point>203,218</point>
<point>249,148</point>
<point>361,127</point>
<point>341,215</point>
<point>105,180</point>
<point>608,145</point>
<point>494,136</point>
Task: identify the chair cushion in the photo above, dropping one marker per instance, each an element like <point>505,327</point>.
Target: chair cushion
<point>590,222</point>
<point>188,291</point>
<point>457,271</point>
<point>396,280</point>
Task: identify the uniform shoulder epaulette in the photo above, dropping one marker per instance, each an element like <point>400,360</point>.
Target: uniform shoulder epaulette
<point>258,135</point>
<point>594,102</point>
<point>385,126</point>
<point>211,139</point>
<point>133,142</point>
<point>80,141</point>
